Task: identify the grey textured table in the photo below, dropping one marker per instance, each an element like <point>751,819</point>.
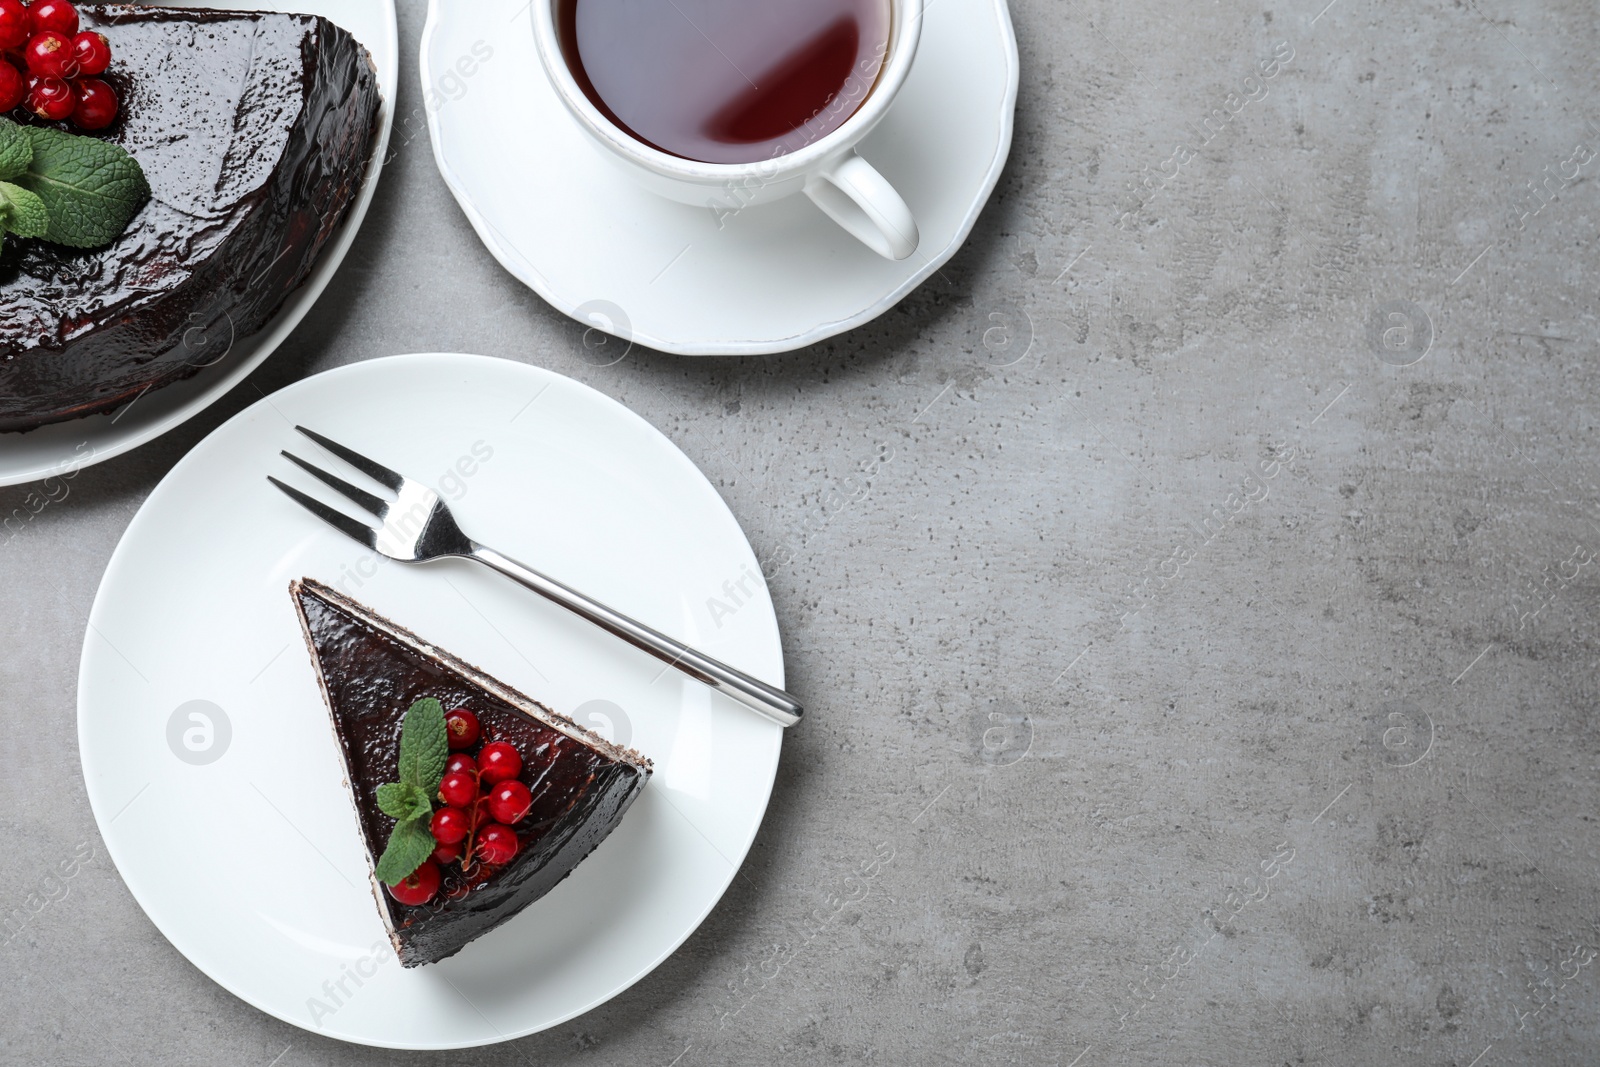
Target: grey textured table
<point>1207,675</point>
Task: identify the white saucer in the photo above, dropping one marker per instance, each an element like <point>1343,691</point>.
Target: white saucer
<point>240,844</point>
<point>582,235</point>
<point>64,448</point>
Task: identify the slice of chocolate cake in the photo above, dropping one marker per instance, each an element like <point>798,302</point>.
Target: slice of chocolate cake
<point>577,784</point>
<point>255,131</point>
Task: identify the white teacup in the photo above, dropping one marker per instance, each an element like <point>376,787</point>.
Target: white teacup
<point>845,186</point>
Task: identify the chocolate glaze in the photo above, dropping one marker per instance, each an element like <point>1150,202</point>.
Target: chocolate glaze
<point>255,131</point>
<point>372,671</point>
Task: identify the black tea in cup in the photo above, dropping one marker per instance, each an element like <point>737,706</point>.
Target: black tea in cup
<point>725,81</point>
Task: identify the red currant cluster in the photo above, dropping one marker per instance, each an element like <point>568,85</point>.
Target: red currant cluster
<point>483,801</point>
<point>48,65</point>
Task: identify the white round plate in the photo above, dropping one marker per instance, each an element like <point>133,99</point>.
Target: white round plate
<point>252,864</point>
<point>66,447</point>
<point>580,233</point>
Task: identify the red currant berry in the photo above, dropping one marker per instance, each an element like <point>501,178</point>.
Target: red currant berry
<point>51,98</point>
<point>13,88</point>
<point>496,844</point>
<point>57,15</point>
<point>50,54</point>
<point>447,853</point>
<point>16,25</point>
<point>97,105</point>
<point>448,825</point>
<point>461,727</point>
<point>458,790</point>
<point>500,760</point>
<point>92,52</point>
<point>461,763</point>
<point>419,886</point>
<point>509,802</point>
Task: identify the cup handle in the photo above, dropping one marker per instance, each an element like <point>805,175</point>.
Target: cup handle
<point>853,194</point>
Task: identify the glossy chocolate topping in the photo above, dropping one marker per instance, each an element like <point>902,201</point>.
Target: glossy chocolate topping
<point>255,131</point>
<point>371,672</point>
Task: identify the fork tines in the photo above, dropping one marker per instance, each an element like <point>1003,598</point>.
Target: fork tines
<point>356,529</point>
<point>376,471</point>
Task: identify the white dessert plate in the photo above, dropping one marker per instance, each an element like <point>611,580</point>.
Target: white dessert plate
<point>580,233</point>
<point>63,448</point>
<point>233,830</point>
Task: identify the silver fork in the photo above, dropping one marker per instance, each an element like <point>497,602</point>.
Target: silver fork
<point>416,526</point>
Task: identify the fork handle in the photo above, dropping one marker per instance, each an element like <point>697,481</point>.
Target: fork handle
<point>753,693</point>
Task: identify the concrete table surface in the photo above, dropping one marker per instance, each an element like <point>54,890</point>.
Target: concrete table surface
<point>1205,675</point>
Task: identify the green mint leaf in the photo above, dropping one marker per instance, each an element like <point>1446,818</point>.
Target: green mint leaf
<point>424,746</point>
<point>21,212</point>
<point>91,188</point>
<point>418,804</point>
<point>16,149</point>
<point>402,800</point>
<point>394,800</point>
<point>409,845</point>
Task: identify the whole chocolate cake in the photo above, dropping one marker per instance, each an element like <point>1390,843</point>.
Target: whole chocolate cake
<point>255,131</point>
<point>567,789</point>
